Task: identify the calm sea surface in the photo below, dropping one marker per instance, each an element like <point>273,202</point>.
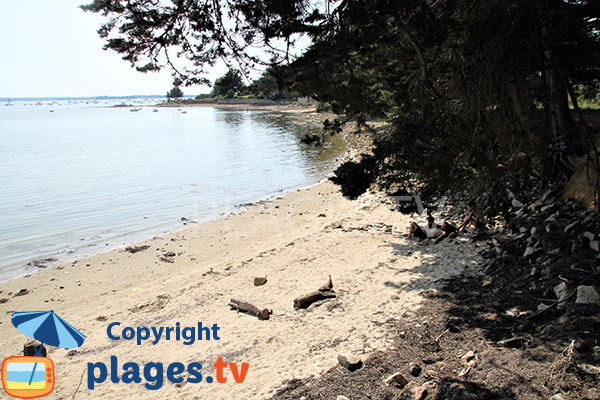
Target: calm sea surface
<point>79,178</point>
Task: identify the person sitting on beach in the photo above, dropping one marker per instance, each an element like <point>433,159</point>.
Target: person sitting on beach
<point>431,230</point>
<point>473,218</point>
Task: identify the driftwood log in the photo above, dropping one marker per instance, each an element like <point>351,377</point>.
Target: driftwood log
<point>324,292</point>
<point>252,308</point>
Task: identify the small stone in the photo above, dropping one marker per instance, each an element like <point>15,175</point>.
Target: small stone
<point>587,295</point>
<point>415,369</point>
<point>546,208</point>
<point>533,230</point>
<point>260,280</point>
<point>396,379</point>
<point>595,245</point>
<point>529,251</point>
<point>351,363</point>
<point>555,251</point>
<point>589,235</point>
<point>517,204</point>
<point>561,293</point>
<point>340,397</point>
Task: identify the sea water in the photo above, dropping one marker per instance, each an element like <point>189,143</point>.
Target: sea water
<point>80,178</point>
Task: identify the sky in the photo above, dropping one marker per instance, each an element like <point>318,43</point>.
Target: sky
<point>51,48</point>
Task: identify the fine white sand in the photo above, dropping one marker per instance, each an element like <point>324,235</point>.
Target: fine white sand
<point>297,241</point>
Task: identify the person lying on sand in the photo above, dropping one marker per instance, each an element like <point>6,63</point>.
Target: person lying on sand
<point>431,230</point>
<point>473,218</point>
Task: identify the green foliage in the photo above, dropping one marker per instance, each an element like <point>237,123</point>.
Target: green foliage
<point>475,91</point>
<point>229,85</point>
<point>174,93</point>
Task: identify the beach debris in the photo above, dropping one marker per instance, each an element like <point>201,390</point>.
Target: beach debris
<point>135,249</point>
<point>260,280</point>
<point>351,363</point>
<point>325,292</point>
<point>22,292</point>
<point>340,397</point>
<point>252,308</point>
<point>587,295</point>
<point>168,257</point>
<point>396,379</point>
<point>161,302</point>
<point>41,263</point>
<point>514,342</point>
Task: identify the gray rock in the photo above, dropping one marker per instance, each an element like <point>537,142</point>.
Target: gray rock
<point>595,245</point>
<point>587,295</point>
<point>351,363</point>
<point>589,235</point>
<point>529,251</point>
<point>517,204</point>
<point>561,293</point>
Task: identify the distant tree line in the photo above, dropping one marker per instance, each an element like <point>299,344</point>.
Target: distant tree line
<point>231,85</point>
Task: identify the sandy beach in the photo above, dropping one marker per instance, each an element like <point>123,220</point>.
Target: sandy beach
<point>189,276</point>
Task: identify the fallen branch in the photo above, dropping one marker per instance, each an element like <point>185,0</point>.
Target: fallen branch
<point>324,292</point>
<point>255,309</point>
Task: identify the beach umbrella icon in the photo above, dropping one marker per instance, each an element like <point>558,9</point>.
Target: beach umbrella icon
<point>48,328</point>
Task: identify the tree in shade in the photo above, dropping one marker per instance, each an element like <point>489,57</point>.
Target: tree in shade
<point>475,91</point>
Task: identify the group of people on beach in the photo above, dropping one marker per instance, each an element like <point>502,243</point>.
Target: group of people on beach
<point>432,230</point>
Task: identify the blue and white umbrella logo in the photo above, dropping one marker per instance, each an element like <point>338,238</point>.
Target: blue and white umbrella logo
<point>48,328</point>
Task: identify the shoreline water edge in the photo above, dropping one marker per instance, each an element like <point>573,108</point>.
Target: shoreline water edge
<point>186,279</point>
<point>94,243</point>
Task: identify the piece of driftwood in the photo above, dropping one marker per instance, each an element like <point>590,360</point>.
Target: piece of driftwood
<point>324,292</point>
<point>255,309</point>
